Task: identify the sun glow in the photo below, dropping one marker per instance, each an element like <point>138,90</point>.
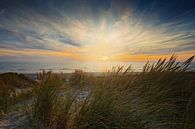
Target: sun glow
<point>104,58</point>
<point>108,38</point>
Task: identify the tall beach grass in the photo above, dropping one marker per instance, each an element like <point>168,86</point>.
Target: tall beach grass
<point>162,96</point>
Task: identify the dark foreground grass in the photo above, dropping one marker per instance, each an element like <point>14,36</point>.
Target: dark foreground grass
<point>6,98</point>
<point>14,88</point>
<point>9,97</point>
<point>160,97</point>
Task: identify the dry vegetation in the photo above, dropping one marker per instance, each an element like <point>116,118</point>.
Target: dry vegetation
<point>162,96</point>
<point>13,89</point>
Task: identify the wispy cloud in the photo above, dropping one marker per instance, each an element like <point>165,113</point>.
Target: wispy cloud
<point>112,33</point>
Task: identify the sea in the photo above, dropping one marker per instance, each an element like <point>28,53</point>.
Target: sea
<point>67,67</point>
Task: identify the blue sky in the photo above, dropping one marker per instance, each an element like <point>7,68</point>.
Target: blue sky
<point>91,30</point>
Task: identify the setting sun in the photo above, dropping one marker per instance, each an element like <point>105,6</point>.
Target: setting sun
<point>77,34</point>
<point>104,58</point>
<point>97,64</point>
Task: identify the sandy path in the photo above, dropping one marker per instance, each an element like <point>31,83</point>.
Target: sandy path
<point>11,120</point>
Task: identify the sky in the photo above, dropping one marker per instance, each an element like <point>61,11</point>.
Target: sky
<point>96,30</point>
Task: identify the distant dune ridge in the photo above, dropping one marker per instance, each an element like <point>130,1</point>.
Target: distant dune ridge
<point>14,80</point>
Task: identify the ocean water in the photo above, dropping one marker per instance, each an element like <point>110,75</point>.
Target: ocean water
<point>34,67</point>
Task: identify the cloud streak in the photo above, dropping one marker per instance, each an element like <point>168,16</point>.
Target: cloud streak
<point>114,32</point>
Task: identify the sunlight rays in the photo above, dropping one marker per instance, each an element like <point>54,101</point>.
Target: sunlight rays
<point>106,38</point>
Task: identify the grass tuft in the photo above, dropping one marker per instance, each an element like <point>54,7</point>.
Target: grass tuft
<point>161,96</point>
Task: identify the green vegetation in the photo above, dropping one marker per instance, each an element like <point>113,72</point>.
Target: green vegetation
<point>162,96</point>
<point>80,79</point>
<point>48,110</point>
<point>6,97</point>
<point>13,89</point>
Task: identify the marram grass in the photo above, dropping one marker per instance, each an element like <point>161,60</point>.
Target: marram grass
<point>162,96</point>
